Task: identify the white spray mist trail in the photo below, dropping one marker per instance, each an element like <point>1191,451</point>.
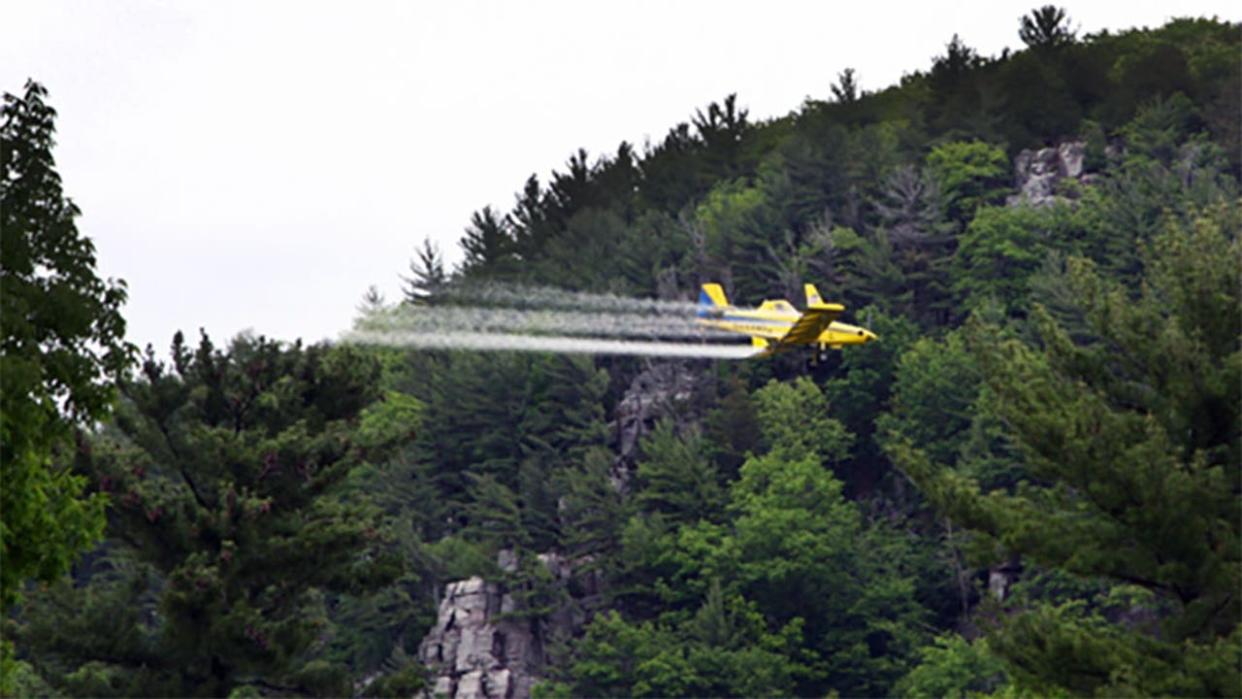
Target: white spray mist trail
<point>541,319</point>
<point>550,298</point>
<point>452,319</point>
<point>504,342</point>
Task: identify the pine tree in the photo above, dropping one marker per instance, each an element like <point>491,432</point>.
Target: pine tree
<point>1045,28</point>
<point>677,479</point>
<point>223,471</point>
<point>427,275</point>
<point>1131,443</point>
<point>489,246</point>
<point>846,90</point>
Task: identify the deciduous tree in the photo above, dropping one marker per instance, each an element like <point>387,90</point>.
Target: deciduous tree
<point>61,350</point>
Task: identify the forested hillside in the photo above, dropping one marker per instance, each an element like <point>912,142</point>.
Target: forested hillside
<point>1031,485</point>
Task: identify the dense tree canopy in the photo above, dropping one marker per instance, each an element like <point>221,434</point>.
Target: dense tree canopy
<point>1029,486</point>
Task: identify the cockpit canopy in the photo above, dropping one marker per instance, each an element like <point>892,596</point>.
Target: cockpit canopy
<point>781,305</point>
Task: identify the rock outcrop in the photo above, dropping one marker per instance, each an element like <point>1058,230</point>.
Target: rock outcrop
<point>479,649</point>
<point>663,389</point>
<point>1038,173</point>
<point>477,653</point>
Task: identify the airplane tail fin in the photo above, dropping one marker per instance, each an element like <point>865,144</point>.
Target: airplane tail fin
<point>812,296</point>
<point>712,296</point>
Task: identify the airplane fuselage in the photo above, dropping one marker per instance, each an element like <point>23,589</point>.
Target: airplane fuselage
<point>772,321</point>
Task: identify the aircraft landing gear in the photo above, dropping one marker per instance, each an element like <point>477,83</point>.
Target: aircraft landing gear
<point>818,357</point>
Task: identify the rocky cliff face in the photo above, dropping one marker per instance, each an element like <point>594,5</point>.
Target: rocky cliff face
<point>480,650</point>
<point>1037,173</point>
<point>476,654</point>
<point>664,389</point>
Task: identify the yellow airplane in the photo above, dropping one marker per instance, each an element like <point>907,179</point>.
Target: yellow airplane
<point>776,326</point>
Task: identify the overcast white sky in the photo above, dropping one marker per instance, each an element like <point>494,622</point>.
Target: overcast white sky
<point>260,164</point>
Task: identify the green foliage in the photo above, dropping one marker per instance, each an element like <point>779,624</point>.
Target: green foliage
<point>934,396</point>
<point>489,246</point>
<point>952,667</point>
<point>771,600</point>
<point>731,429</point>
<point>512,420</point>
<point>1131,441</point>
<point>725,650</point>
<point>1082,427</point>
<point>999,251</point>
<point>593,510</point>
<point>427,274</point>
<point>861,391</point>
<point>224,467</point>
<point>1159,129</point>
<point>724,214</point>
<point>794,421</point>
<point>407,682</point>
<point>970,175</point>
<point>61,349</point>
<point>676,479</point>
<point>1046,28</point>
<point>390,421</point>
<point>870,271</point>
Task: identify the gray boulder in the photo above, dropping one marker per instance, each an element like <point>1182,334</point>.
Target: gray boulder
<point>1037,173</point>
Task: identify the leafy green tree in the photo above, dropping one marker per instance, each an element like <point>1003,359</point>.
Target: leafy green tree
<point>799,550</point>
<point>673,172</point>
<point>225,470</point>
<point>494,514</point>
<point>795,421</point>
<point>723,131</point>
<point>1152,68</point>
<point>935,390</point>
<point>1042,91</point>
<point>969,174</point>
<point>586,255</point>
<point>861,391</point>
<point>725,650</point>
<point>998,253</point>
<point>1131,443</point>
<point>722,219</point>
<point>61,349</point>
<point>952,667</point>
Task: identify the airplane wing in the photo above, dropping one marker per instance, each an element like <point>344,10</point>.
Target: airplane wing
<point>810,324</point>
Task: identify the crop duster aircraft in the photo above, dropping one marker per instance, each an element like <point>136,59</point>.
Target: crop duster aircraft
<point>776,326</point>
